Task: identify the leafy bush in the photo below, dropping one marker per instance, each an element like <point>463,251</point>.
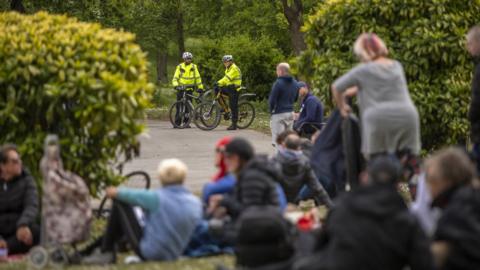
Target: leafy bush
<point>82,82</point>
<point>426,36</point>
<point>255,58</point>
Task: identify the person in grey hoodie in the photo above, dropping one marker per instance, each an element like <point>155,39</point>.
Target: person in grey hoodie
<point>297,172</point>
<point>281,100</point>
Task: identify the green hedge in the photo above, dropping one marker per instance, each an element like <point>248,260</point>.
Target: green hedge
<point>257,60</point>
<point>82,82</point>
<point>426,36</point>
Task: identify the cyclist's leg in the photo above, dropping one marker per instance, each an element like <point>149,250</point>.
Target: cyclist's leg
<point>233,103</point>
<point>177,116</point>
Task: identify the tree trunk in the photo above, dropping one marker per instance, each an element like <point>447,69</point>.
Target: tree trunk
<point>293,14</point>
<point>17,5</point>
<point>180,36</point>
<point>162,58</point>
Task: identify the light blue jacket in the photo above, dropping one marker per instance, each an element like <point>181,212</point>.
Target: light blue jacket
<point>172,215</point>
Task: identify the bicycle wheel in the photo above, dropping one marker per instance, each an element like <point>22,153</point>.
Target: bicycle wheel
<point>180,114</point>
<point>246,114</point>
<point>207,116</point>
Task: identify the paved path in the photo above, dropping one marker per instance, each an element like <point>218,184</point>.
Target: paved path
<point>194,146</point>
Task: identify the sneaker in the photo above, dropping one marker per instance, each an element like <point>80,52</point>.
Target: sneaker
<point>232,127</point>
<point>188,126</point>
<point>100,258</point>
<point>132,259</point>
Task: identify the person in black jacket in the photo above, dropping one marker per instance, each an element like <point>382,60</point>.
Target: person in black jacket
<point>18,204</point>
<point>297,172</point>
<point>371,228</point>
<point>450,177</point>
<point>256,184</point>
<point>473,47</point>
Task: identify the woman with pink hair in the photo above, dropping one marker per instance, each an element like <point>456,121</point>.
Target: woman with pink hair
<point>390,121</point>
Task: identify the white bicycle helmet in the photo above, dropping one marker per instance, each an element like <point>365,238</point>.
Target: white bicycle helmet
<point>187,55</point>
<point>227,58</point>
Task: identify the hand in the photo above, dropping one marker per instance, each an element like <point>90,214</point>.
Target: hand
<point>213,203</point>
<point>295,116</point>
<point>220,212</point>
<point>3,244</point>
<point>25,235</point>
<point>111,192</point>
<point>345,110</point>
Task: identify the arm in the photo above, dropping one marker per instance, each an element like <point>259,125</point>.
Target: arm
<point>272,99</point>
<point>146,199</point>
<point>225,185</point>
<point>198,79</point>
<point>176,76</point>
<point>317,188</point>
<point>474,113</point>
<point>343,85</point>
<point>30,203</point>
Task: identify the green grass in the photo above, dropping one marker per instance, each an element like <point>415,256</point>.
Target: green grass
<point>184,264</point>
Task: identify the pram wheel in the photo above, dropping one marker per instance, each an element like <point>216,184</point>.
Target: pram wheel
<point>58,257</point>
<point>38,257</point>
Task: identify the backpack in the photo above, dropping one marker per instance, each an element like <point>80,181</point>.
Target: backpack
<point>263,237</point>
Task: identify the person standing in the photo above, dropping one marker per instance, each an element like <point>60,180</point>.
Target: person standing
<point>473,47</point>
<point>282,97</point>
<point>231,84</point>
<point>186,78</point>
<point>390,121</point>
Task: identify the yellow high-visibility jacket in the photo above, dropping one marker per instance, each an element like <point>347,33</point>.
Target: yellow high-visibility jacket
<point>187,75</point>
<point>233,76</point>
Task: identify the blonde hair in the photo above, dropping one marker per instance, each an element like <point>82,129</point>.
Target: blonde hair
<point>369,47</point>
<point>172,171</point>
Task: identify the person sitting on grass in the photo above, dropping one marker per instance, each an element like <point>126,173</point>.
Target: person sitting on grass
<point>172,212</point>
<point>224,181</point>
<point>310,117</point>
<point>371,227</point>
<point>297,173</point>
<point>19,230</point>
<point>454,190</point>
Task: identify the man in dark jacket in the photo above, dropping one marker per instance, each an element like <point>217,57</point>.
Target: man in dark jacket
<point>371,228</point>
<point>297,172</point>
<point>281,100</point>
<point>311,112</point>
<point>18,204</point>
<point>473,46</point>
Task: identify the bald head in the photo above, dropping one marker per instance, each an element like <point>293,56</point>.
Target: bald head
<point>473,41</point>
<point>283,69</point>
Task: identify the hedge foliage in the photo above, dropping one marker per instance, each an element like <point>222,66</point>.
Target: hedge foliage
<point>427,37</point>
<point>82,82</point>
<point>256,59</point>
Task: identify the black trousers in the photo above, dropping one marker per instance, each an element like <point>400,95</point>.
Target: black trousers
<point>17,247</point>
<point>178,118</point>
<point>122,224</point>
<point>233,95</point>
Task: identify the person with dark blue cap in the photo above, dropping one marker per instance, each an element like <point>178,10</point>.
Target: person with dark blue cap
<point>371,227</point>
<point>311,112</point>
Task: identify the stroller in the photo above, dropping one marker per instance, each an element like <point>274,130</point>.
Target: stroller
<point>66,212</point>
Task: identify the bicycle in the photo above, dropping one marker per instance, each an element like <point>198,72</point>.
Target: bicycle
<point>207,115</point>
<point>181,111</point>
